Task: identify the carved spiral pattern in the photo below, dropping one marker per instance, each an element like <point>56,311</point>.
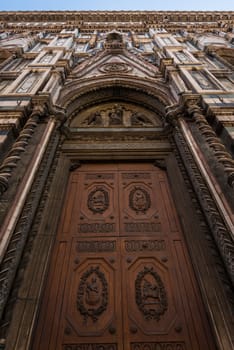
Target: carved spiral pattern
<point>11,160</point>
<point>221,233</point>
<point>214,142</point>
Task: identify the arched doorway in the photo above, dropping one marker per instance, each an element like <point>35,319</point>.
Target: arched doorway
<point>120,275</point>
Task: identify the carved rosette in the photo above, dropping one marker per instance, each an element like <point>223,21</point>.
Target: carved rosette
<point>115,67</point>
<point>92,296</point>
<point>150,294</point>
<point>98,200</point>
<point>139,200</point>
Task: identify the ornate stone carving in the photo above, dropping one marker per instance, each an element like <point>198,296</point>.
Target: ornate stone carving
<point>150,294</point>
<point>115,67</point>
<point>213,141</point>
<point>139,200</point>
<point>92,296</point>
<point>93,119</point>
<point>23,232</point>
<point>221,233</point>
<point>116,115</point>
<point>140,119</point>
<point>98,200</point>
<point>12,158</point>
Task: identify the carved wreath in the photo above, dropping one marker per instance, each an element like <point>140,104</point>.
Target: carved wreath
<point>91,311</point>
<point>98,200</point>
<point>157,291</point>
<point>139,199</point>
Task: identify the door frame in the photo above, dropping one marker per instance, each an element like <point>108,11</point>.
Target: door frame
<point>188,206</point>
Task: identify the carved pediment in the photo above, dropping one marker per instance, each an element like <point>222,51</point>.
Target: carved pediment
<point>121,63</point>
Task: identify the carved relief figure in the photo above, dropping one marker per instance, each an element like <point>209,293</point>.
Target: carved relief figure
<point>98,200</point>
<point>150,293</point>
<point>139,200</point>
<point>151,297</point>
<point>139,119</point>
<point>92,294</point>
<point>94,119</point>
<point>116,115</point>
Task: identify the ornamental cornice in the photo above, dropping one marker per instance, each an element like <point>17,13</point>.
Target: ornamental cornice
<point>105,20</point>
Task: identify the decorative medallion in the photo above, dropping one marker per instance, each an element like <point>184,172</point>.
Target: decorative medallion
<point>139,200</point>
<point>151,297</point>
<point>92,296</point>
<point>115,67</point>
<point>98,200</point>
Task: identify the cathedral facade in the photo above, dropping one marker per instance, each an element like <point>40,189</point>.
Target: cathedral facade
<point>117,180</point>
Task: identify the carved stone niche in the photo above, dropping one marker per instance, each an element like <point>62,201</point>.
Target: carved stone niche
<point>114,41</point>
<point>115,114</point>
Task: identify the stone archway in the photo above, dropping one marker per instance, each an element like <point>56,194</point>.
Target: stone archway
<point>88,290</point>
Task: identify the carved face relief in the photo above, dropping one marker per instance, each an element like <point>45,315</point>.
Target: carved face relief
<point>151,297</point>
<point>98,200</point>
<point>139,200</point>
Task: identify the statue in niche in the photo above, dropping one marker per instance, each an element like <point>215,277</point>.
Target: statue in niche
<point>94,119</point>
<point>27,84</point>
<point>138,118</point>
<point>116,115</point>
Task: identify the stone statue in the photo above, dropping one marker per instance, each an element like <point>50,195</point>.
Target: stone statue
<point>116,115</point>
<point>94,119</point>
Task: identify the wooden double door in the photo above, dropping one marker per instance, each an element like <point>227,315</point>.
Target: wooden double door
<point>120,276</point>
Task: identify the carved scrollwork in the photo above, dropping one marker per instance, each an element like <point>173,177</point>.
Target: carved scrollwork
<point>139,200</point>
<point>92,296</point>
<point>98,200</point>
<point>150,294</point>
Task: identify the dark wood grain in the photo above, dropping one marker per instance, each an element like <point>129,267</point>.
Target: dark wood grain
<point>120,275</point>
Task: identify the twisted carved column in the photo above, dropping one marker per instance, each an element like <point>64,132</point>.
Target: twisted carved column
<point>12,158</point>
<point>222,230</point>
<point>213,141</point>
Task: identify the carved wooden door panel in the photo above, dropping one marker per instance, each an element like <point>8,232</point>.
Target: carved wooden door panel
<point>120,274</point>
